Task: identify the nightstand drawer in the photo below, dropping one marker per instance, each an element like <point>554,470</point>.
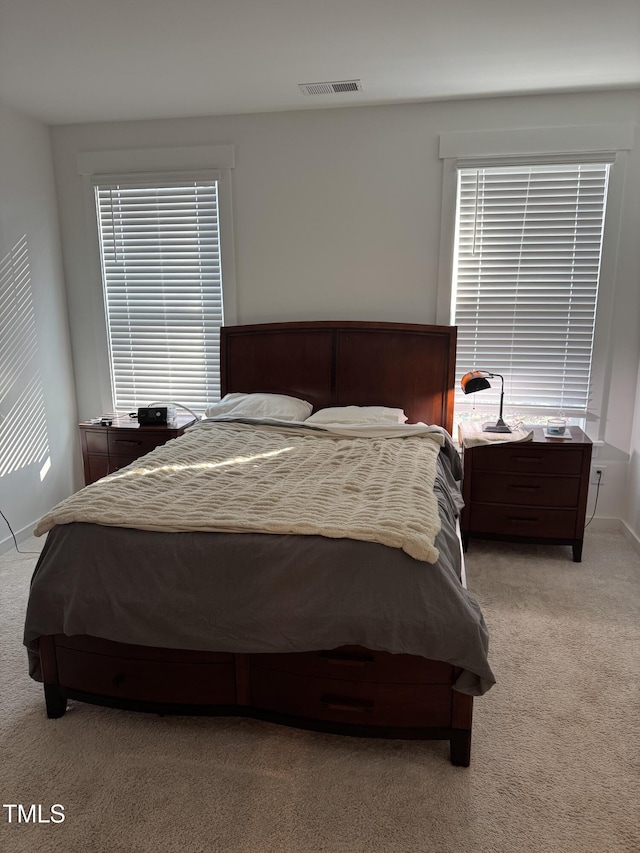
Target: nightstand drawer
<point>96,440</point>
<point>531,459</point>
<point>133,444</point>
<point>118,462</point>
<point>100,466</point>
<point>522,521</point>
<point>97,466</point>
<point>525,490</point>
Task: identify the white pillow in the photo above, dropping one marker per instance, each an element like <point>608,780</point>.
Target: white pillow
<point>358,415</point>
<point>277,406</point>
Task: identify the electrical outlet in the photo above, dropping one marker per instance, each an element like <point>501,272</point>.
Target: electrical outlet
<point>597,474</point>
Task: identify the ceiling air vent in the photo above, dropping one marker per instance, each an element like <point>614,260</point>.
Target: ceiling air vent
<point>335,88</point>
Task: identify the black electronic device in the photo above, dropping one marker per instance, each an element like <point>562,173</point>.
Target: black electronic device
<point>160,415</point>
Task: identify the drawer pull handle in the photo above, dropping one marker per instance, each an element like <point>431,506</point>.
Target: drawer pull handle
<point>343,660</point>
<point>129,443</point>
<point>527,458</point>
<point>514,520</point>
<point>525,488</point>
<point>336,704</point>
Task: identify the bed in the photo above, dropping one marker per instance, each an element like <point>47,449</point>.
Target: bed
<point>316,631</point>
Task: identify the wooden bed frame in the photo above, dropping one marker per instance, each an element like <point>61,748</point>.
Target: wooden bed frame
<point>348,690</point>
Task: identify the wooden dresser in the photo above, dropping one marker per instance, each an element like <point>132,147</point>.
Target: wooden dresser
<point>531,491</point>
<point>106,449</point>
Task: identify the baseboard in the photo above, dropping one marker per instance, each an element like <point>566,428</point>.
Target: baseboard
<point>615,525</point>
<point>630,536</point>
<point>7,544</point>
<point>604,525</point>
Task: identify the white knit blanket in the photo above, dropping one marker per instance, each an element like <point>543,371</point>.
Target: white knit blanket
<point>237,478</point>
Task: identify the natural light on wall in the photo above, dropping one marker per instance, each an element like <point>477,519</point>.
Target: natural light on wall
<point>23,426</point>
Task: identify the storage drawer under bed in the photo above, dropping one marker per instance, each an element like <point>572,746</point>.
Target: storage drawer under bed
<point>155,675</point>
<point>354,663</point>
<point>363,703</point>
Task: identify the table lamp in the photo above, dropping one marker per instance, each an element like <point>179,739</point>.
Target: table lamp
<point>476,380</point>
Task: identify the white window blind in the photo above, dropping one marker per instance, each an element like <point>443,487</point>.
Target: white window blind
<point>526,272</point>
<point>162,277</point>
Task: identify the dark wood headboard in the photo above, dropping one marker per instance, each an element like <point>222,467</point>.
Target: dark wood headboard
<point>331,363</point>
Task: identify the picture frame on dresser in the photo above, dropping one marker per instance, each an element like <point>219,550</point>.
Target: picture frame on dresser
<point>532,491</point>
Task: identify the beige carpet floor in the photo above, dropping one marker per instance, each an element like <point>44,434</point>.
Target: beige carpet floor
<point>555,758</point>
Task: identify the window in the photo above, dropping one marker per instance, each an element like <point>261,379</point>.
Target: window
<point>162,279</point>
<point>527,257</point>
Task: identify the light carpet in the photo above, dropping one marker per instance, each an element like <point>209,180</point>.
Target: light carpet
<point>554,767</point>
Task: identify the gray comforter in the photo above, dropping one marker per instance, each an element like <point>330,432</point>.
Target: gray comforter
<point>255,592</point>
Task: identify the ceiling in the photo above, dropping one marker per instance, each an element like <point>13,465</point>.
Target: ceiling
<point>65,61</point>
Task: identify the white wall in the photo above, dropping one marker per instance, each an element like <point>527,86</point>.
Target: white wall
<point>38,429</point>
<point>631,516</point>
<point>337,215</point>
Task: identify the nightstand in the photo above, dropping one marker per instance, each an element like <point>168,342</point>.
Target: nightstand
<point>528,491</point>
<point>105,449</point>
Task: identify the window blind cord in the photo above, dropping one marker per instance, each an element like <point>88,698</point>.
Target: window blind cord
<point>173,403</point>
<point>475,215</point>
<point>15,541</point>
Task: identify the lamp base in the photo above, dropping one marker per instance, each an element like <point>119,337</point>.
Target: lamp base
<point>499,427</point>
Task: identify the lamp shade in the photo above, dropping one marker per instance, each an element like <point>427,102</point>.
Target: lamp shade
<point>474,381</point>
